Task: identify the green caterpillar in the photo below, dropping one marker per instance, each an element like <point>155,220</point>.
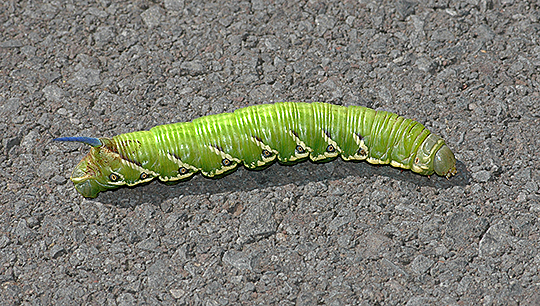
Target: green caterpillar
<point>256,136</point>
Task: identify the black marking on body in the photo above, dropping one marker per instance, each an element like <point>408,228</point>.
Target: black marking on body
<point>114,149</point>
<point>327,133</point>
<point>131,161</point>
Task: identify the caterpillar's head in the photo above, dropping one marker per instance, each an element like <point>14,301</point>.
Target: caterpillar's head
<point>444,163</point>
<point>102,168</point>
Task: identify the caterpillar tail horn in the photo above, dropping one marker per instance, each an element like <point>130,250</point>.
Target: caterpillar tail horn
<point>94,142</point>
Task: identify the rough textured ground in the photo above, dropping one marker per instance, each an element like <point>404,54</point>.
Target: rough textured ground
<point>337,234</point>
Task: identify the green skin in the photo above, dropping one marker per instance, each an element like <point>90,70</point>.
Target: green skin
<point>258,135</point>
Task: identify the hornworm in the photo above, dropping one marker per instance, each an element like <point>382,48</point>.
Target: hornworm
<point>256,136</point>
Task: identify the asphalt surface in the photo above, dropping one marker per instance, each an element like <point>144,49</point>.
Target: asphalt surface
<point>333,234</point>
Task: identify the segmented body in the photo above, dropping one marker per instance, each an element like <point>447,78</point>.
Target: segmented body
<point>256,136</point>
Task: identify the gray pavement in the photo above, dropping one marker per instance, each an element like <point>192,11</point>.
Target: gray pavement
<point>333,234</point>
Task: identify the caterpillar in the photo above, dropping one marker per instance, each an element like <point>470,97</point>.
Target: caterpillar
<point>257,136</point>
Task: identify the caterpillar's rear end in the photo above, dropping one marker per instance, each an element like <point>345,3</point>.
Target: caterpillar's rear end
<point>257,136</point>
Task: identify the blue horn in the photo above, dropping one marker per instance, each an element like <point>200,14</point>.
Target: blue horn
<point>94,142</point>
